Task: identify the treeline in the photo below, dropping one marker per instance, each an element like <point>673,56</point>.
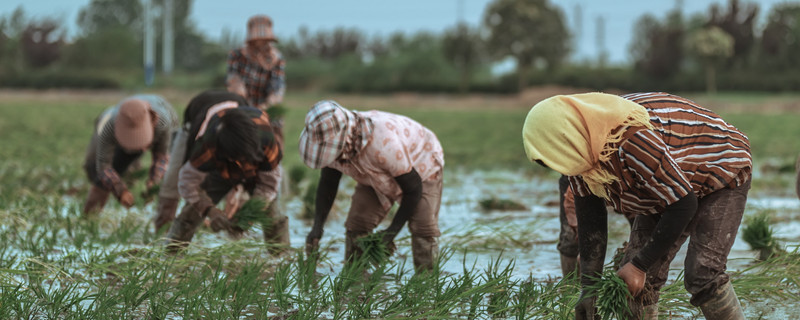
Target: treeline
<point>725,48</point>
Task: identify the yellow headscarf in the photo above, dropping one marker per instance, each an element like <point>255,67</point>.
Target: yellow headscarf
<point>572,134</point>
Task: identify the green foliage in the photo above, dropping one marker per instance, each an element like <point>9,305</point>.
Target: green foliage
<point>309,201</point>
<point>528,31</point>
<point>373,249</point>
<point>612,295</point>
<point>759,235</point>
<point>712,44</point>
<point>252,211</point>
<point>501,204</point>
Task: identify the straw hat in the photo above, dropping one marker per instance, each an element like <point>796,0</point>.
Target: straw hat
<point>133,126</point>
<point>325,134</point>
<point>259,27</point>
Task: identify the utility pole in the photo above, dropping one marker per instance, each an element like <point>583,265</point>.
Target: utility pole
<point>169,37</point>
<point>149,44</point>
<point>602,54</point>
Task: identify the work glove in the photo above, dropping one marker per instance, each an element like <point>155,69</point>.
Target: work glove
<point>312,242</point>
<point>585,309</point>
<point>218,220</point>
<point>165,212</point>
<point>387,238</point>
<point>633,277</point>
<point>126,199</point>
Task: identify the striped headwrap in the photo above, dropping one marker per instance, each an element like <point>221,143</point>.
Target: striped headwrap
<point>332,132</point>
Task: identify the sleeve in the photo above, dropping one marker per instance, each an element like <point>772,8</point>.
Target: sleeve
<point>108,177</point>
<point>233,80</point>
<point>646,158</point>
<point>277,81</point>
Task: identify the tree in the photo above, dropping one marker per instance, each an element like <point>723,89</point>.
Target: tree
<point>712,45</point>
<point>463,46</point>
<point>40,43</point>
<point>780,40</point>
<point>657,47</point>
<point>529,31</point>
<point>111,14</point>
<point>738,22</point>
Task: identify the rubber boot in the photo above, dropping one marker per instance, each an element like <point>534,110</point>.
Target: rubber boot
<point>650,312</point>
<point>569,266</point>
<point>352,251</point>
<point>165,212</point>
<point>724,305</point>
<point>95,200</point>
<point>425,251</point>
<point>183,228</point>
<point>277,235</point>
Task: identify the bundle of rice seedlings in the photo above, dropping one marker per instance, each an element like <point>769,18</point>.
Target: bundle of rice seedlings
<point>309,201</point>
<point>759,235</point>
<point>373,249</point>
<point>276,112</point>
<point>612,296</point>
<point>500,204</point>
<point>253,211</point>
<point>150,193</point>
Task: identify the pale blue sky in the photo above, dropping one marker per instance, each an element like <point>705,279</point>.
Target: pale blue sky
<point>382,17</point>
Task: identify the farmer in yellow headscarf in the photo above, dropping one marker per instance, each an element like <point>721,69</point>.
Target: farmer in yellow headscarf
<point>680,168</point>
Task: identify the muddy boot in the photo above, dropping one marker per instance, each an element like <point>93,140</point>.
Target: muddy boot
<point>165,212</point>
<point>183,229</point>
<point>352,251</point>
<point>425,251</point>
<point>650,312</point>
<point>95,200</point>
<point>277,235</point>
<point>724,305</point>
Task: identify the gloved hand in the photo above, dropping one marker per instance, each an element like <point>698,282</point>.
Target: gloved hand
<point>165,212</point>
<point>312,242</point>
<point>219,221</point>
<point>126,199</point>
<point>585,309</point>
<point>387,238</point>
<point>633,277</point>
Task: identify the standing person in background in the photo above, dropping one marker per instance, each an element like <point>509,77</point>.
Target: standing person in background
<point>121,135</point>
<point>255,71</point>
<point>168,196</point>
<point>680,168</point>
<point>393,159</point>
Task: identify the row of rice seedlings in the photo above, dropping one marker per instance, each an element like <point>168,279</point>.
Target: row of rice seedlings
<point>500,204</point>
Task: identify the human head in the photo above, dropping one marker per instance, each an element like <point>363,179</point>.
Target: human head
<point>573,134</point>
<point>259,31</point>
<point>238,138</point>
<point>133,126</point>
<point>325,135</point>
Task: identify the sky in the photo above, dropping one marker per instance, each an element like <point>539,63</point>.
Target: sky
<point>381,17</point>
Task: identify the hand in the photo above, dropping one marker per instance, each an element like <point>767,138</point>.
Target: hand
<point>218,220</point>
<point>126,199</point>
<point>387,238</point>
<point>312,243</point>
<point>633,277</point>
<point>585,309</point>
<point>165,212</point>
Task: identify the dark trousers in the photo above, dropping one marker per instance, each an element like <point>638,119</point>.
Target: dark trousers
<point>711,234</point>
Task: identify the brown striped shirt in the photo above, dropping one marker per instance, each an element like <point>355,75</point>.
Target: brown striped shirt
<point>691,149</point>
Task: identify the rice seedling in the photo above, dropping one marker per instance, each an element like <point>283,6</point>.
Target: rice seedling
<point>309,201</point>
<point>252,211</point>
<point>501,204</point>
<point>759,235</point>
<point>612,295</point>
<point>374,250</point>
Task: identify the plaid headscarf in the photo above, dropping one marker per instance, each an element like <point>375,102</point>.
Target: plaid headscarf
<point>332,132</point>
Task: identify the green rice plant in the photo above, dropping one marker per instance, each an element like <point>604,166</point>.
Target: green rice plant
<point>276,112</point>
<point>612,295</point>
<point>374,251</point>
<point>501,286</point>
<point>296,175</point>
<point>759,235</point>
<point>501,204</point>
<point>252,211</point>
<point>309,201</point>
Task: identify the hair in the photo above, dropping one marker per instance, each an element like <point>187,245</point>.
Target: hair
<point>238,137</point>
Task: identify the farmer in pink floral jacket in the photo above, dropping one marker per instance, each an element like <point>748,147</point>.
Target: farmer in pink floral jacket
<point>393,159</point>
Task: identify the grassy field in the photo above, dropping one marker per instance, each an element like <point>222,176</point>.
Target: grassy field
<point>56,265</point>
